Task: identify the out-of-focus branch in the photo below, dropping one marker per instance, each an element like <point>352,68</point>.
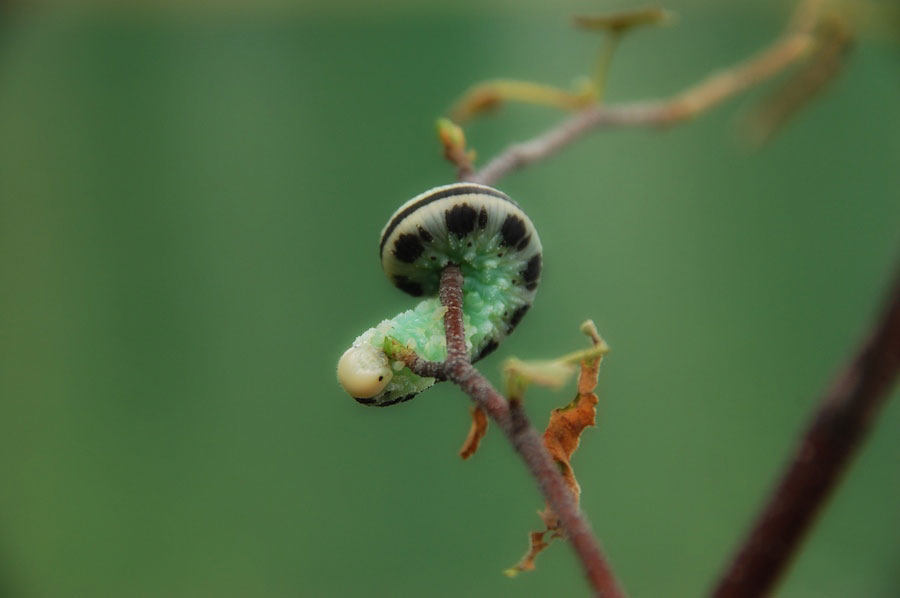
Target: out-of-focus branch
<point>834,434</point>
<point>811,79</point>
<point>696,99</point>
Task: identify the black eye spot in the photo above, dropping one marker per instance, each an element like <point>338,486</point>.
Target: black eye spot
<point>380,378</point>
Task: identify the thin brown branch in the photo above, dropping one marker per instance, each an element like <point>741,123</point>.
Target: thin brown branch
<point>450,294</point>
<point>459,158</point>
<point>514,423</point>
<point>422,367</point>
<point>785,51</point>
<point>834,434</point>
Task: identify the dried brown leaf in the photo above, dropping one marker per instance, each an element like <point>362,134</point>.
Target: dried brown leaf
<point>562,437</point>
<point>563,433</point>
<point>476,433</point>
<point>536,546</point>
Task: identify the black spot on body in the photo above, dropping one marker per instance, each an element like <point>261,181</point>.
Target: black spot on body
<point>482,218</point>
<point>364,401</point>
<point>531,286</point>
<point>532,270</point>
<point>517,317</point>
<point>425,235</point>
<point>408,248</point>
<point>408,286</point>
<point>513,229</point>
<point>460,219</point>
<point>489,348</point>
<point>523,243</point>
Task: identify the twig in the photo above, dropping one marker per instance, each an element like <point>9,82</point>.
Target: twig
<point>788,49</point>
<point>515,425</point>
<point>462,160</point>
<point>834,434</point>
<point>428,369</point>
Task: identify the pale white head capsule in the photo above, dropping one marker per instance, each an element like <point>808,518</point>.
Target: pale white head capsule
<point>364,371</point>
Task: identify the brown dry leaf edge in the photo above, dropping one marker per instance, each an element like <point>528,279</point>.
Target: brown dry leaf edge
<point>562,436</point>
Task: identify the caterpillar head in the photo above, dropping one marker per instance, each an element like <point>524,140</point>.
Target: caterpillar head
<point>364,371</point>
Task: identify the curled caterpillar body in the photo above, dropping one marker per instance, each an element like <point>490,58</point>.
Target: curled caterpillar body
<point>498,250</point>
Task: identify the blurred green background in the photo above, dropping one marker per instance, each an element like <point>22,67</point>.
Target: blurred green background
<point>190,202</point>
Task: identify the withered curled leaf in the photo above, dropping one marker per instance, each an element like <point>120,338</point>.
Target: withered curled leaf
<point>562,437</point>
<point>476,433</point>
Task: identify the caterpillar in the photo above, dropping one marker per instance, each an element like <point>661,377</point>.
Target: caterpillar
<point>498,251</point>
